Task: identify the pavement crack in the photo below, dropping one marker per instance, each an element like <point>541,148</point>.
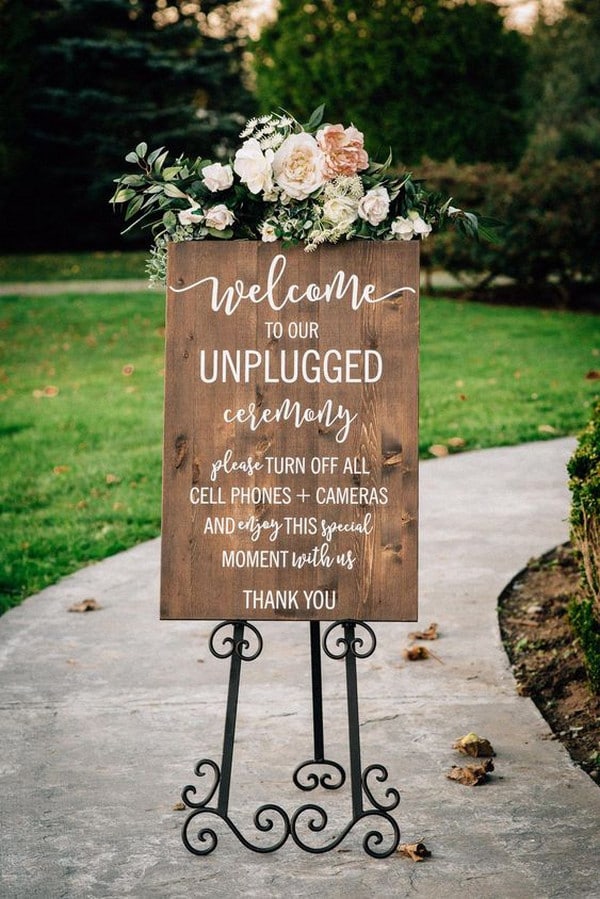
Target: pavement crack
<point>378,720</point>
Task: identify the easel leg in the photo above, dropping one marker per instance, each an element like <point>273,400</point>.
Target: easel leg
<point>204,841</point>
<point>313,819</point>
<point>334,776</point>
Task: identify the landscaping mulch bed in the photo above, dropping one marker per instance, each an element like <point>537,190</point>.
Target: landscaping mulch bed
<point>545,655</point>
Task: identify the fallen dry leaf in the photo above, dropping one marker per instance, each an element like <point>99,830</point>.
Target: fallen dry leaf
<point>476,747</point>
<point>430,633</point>
<point>179,806</point>
<point>418,852</point>
<point>86,605</point>
<point>471,775</point>
<point>546,429</point>
<point>127,370</point>
<point>456,442</point>
<point>438,449</point>
<point>416,653</point>
<point>593,375</point>
<point>49,391</point>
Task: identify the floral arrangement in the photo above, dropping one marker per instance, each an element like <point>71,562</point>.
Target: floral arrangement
<point>301,184</point>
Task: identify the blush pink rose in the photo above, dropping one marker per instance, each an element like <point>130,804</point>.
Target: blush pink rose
<point>343,149</point>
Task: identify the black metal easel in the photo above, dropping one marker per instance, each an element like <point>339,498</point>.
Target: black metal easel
<point>244,645</point>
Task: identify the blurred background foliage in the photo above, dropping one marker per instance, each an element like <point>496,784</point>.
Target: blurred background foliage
<point>507,121</point>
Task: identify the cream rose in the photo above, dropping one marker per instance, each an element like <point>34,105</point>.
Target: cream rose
<point>219,217</point>
<point>217,177</point>
<point>343,149</point>
<point>421,227</point>
<point>402,228</point>
<point>412,226</point>
<point>341,211</point>
<point>299,166</point>
<point>254,167</point>
<point>190,216</point>
<point>375,205</point>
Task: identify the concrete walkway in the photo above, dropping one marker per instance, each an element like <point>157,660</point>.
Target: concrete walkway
<point>104,715</point>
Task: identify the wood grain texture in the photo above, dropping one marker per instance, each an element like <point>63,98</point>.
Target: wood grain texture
<point>272,519</point>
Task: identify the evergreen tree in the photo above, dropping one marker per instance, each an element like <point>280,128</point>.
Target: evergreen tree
<point>104,75</point>
<point>422,76</point>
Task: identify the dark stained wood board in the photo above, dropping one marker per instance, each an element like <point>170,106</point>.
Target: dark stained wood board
<point>291,518</point>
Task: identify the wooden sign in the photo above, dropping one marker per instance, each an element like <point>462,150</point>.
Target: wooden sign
<point>290,454</point>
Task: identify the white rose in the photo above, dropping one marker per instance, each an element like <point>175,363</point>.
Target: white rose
<point>219,217</point>
<point>299,166</point>
<point>190,216</point>
<point>420,226</point>
<point>402,229</point>
<point>375,205</point>
<point>254,167</point>
<point>267,232</point>
<point>217,176</point>
<point>341,211</point>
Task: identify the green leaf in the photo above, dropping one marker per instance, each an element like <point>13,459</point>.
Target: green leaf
<point>491,229</point>
<point>315,119</point>
<point>131,157</point>
<point>467,223</point>
<point>226,234</point>
<point>134,207</point>
<point>123,195</point>
<point>153,156</point>
<point>132,180</point>
<point>170,220</point>
<point>382,166</point>
<point>141,149</point>
<point>171,190</point>
<point>171,172</point>
<point>160,162</point>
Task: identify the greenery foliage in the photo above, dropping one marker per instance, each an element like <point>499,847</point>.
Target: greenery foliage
<point>309,184</point>
<point>81,82</point>
<point>81,389</point>
<point>585,625</point>
<point>584,471</point>
<point>550,241</point>
<point>423,76</point>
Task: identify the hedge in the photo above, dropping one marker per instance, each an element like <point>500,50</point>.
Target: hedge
<point>584,483</point>
<point>551,216</point>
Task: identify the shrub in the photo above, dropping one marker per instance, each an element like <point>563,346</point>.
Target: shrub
<point>584,471</point>
<point>552,218</point>
<point>583,622</point>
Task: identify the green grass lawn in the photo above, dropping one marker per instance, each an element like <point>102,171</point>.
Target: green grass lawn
<point>81,391</point>
<point>72,266</point>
